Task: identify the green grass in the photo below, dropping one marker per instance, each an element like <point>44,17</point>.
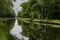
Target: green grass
<point>36,21</point>
<point>4,19</point>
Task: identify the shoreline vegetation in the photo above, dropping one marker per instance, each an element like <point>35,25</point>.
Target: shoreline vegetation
<point>6,10</point>
<point>54,23</point>
<point>5,27</point>
<point>6,23</point>
<point>40,19</point>
<point>6,19</point>
<point>40,11</point>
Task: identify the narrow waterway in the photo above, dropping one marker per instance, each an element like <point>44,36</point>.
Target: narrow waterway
<point>17,30</point>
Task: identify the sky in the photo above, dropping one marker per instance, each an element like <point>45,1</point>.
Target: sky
<point>17,4</point>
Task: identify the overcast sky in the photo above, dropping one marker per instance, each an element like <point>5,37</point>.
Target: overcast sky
<point>17,5</point>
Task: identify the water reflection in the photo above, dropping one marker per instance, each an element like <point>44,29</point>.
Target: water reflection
<point>5,27</point>
<point>16,31</point>
<point>39,31</point>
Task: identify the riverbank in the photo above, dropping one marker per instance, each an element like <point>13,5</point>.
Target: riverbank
<point>45,22</point>
<point>5,19</point>
<point>5,26</point>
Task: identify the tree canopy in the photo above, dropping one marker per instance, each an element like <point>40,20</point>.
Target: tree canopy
<point>49,9</point>
<point>6,9</point>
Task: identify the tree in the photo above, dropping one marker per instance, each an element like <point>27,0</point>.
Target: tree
<point>6,9</point>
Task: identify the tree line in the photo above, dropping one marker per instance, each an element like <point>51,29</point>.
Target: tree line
<point>44,9</point>
<point>6,9</point>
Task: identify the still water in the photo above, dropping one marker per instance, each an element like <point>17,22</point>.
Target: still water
<point>31,31</point>
<point>14,29</point>
<point>5,27</point>
<point>17,30</point>
<point>39,31</point>
<point>27,31</point>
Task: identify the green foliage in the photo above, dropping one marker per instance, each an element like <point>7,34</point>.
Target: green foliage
<point>39,31</point>
<point>40,9</point>
<point>49,9</point>
<point>25,5</point>
<point>6,9</point>
<point>5,27</point>
<point>6,24</point>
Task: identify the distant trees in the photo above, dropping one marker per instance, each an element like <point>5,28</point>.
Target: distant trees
<point>41,8</point>
<point>6,9</point>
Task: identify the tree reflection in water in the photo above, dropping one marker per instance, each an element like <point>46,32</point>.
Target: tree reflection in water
<point>39,31</point>
<point>5,27</point>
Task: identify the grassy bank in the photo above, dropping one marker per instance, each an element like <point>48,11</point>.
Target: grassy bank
<point>45,22</point>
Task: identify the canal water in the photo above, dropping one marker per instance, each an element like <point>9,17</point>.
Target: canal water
<point>30,30</point>
<point>17,30</point>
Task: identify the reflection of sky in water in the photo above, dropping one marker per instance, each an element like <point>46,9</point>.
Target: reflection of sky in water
<point>17,30</point>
